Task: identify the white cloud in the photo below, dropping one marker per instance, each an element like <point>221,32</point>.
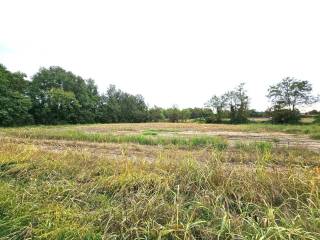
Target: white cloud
<point>171,51</point>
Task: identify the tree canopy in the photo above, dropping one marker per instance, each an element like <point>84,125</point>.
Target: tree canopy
<point>291,93</point>
<point>14,101</point>
<point>286,96</point>
<point>236,102</point>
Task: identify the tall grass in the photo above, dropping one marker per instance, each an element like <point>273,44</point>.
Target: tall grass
<point>144,139</point>
<point>313,130</point>
<point>75,195</point>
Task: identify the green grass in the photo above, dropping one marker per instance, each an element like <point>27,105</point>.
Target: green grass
<point>261,146</point>
<point>150,133</point>
<point>313,130</point>
<point>76,195</point>
<point>145,139</point>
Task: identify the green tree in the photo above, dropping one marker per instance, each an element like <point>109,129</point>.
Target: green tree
<point>62,106</point>
<point>185,114</point>
<point>173,114</point>
<point>156,114</point>
<point>14,103</point>
<point>217,104</point>
<point>286,96</point>
<point>117,106</point>
<point>291,93</point>
<point>85,92</point>
<point>236,100</point>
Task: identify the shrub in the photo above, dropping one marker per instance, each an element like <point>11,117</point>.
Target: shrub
<point>285,116</point>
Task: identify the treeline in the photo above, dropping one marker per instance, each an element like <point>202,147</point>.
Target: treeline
<point>56,96</point>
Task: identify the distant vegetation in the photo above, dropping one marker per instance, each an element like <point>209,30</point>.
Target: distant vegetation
<point>57,96</point>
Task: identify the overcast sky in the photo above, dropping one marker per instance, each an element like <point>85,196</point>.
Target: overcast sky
<point>170,51</point>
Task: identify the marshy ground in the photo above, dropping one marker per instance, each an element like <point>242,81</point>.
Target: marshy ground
<point>160,181</point>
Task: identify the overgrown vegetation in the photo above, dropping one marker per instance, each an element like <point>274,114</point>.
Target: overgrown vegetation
<point>76,195</point>
<point>235,102</point>
<point>147,138</point>
<point>286,96</point>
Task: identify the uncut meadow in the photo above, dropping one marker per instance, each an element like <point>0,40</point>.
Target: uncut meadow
<point>159,181</point>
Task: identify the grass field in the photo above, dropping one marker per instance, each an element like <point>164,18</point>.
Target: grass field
<point>160,181</point>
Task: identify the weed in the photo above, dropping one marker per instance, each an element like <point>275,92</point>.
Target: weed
<point>72,195</point>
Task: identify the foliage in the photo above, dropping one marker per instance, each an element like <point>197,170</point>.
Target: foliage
<point>57,96</point>
<point>117,106</point>
<point>173,114</point>
<point>217,103</point>
<point>256,114</point>
<point>286,96</point>
<point>81,94</point>
<point>290,93</point>
<point>155,114</point>
<point>62,107</point>
<point>283,116</point>
<point>14,102</point>
<point>235,101</point>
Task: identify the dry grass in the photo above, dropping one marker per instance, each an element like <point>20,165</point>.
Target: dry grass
<point>67,189</point>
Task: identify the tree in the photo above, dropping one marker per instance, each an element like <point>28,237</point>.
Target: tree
<point>236,100</point>
<point>156,114</point>
<point>117,106</point>
<point>14,103</point>
<point>62,107</point>
<point>286,96</point>
<point>291,93</point>
<point>256,114</point>
<point>85,92</point>
<point>283,115</point>
<point>173,114</point>
<point>185,114</point>
<point>217,103</point>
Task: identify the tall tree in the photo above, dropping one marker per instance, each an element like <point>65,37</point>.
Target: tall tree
<point>46,79</point>
<point>62,107</point>
<point>173,114</point>
<point>291,93</point>
<point>156,114</point>
<point>286,96</point>
<point>235,101</point>
<point>217,104</point>
<point>118,106</point>
<point>14,102</point>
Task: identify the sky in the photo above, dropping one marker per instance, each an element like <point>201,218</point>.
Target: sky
<point>171,51</point>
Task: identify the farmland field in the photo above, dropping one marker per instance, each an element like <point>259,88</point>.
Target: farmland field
<point>160,181</point>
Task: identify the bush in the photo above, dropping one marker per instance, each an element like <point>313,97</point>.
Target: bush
<point>317,119</point>
<point>283,116</point>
